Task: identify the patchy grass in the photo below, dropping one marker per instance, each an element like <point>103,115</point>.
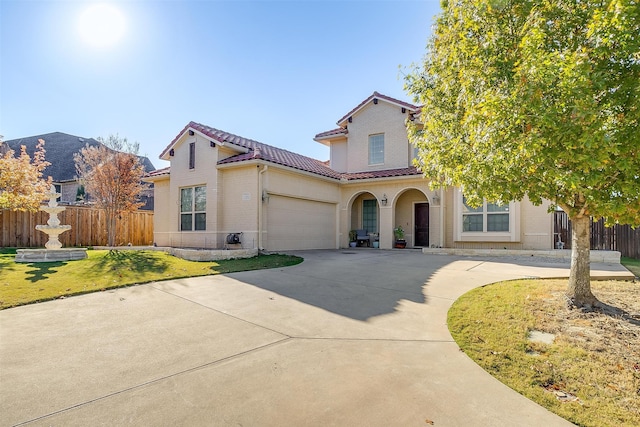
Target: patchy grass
<point>632,264</point>
<point>589,375</point>
<point>33,282</point>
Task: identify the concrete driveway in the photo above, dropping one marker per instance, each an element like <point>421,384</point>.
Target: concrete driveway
<point>347,338</point>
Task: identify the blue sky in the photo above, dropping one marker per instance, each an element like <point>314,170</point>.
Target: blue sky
<point>275,71</point>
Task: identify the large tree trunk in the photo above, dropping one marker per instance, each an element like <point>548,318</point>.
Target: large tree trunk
<point>579,291</point>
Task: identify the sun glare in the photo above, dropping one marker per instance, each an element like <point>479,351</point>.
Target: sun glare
<point>101,25</point>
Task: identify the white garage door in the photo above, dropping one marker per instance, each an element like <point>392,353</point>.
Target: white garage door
<point>295,224</point>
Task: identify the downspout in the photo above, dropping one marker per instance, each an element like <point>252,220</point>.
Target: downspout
<point>260,203</point>
<point>441,217</point>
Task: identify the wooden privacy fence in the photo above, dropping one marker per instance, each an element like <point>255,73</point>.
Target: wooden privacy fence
<point>88,228</point>
<point>620,238</point>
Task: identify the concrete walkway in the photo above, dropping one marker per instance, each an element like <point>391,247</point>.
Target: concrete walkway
<point>347,338</point>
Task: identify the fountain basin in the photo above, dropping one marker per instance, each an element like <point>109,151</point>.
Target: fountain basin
<point>50,255</point>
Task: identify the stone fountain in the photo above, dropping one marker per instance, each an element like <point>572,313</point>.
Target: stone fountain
<point>53,228</point>
<point>54,250</point>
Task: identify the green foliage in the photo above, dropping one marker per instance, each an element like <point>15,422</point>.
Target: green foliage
<point>22,186</point>
<point>398,232</point>
<point>534,98</point>
<point>112,175</point>
<point>28,283</point>
<point>631,264</point>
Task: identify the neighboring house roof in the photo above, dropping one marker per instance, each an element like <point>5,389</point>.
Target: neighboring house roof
<point>376,95</point>
<point>60,148</point>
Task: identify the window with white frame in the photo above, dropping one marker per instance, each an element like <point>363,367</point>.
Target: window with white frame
<point>485,218</point>
<point>193,206</point>
<point>376,149</point>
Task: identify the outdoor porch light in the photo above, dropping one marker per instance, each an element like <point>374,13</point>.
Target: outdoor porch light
<point>436,199</point>
<point>384,200</point>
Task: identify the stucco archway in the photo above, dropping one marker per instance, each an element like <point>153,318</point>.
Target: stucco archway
<point>411,209</point>
<point>363,213</point>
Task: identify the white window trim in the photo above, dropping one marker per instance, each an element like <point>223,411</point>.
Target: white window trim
<point>369,149</point>
<point>513,235</point>
<point>192,212</point>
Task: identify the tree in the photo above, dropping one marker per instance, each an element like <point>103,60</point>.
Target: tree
<point>112,177</point>
<point>22,187</point>
<point>539,99</point>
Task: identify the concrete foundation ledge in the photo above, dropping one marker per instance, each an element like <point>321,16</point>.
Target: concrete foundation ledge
<point>50,255</point>
<point>212,254</point>
<point>190,254</point>
<point>608,257</point>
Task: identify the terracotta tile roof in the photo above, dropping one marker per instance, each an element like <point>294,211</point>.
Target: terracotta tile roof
<point>279,156</point>
<point>159,172</point>
<point>332,132</point>
<point>378,96</point>
<point>385,173</point>
<point>258,150</point>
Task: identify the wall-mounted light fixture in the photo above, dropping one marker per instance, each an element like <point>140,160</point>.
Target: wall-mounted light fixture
<point>375,101</point>
<point>191,132</point>
<point>212,144</point>
<point>404,110</point>
<point>436,198</point>
<point>350,119</point>
<point>172,152</point>
<point>384,200</point>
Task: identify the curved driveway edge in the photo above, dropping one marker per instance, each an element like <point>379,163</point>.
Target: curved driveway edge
<point>348,337</point>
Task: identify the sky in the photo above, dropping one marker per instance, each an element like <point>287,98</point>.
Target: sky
<point>278,72</point>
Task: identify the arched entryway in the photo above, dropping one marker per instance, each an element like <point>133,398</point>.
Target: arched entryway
<point>364,214</point>
<point>412,213</point>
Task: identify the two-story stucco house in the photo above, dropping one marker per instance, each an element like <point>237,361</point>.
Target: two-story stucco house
<point>219,183</point>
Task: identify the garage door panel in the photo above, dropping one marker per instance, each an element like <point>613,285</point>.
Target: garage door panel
<point>295,224</point>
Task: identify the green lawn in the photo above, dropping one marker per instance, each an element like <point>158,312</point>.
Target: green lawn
<point>28,283</point>
<point>589,375</point>
<point>632,264</point>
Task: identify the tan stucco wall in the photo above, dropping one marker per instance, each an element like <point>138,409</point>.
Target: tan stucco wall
<point>536,225</point>
<point>373,119</point>
<point>338,156</point>
<point>296,184</point>
<point>161,217</point>
<point>204,173</point>
<point>239,198</point>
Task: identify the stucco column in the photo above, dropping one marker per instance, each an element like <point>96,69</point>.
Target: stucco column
<point>386,227</point>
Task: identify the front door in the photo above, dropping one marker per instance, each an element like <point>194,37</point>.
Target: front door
<point>421,216</point>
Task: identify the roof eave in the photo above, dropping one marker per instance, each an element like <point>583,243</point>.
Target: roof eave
<point>252,162</point>
<point>345,119</point>
<point>378,179</point>
<point>165,155</point>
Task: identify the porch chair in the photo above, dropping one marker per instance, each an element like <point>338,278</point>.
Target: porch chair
<point>363,236</point>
